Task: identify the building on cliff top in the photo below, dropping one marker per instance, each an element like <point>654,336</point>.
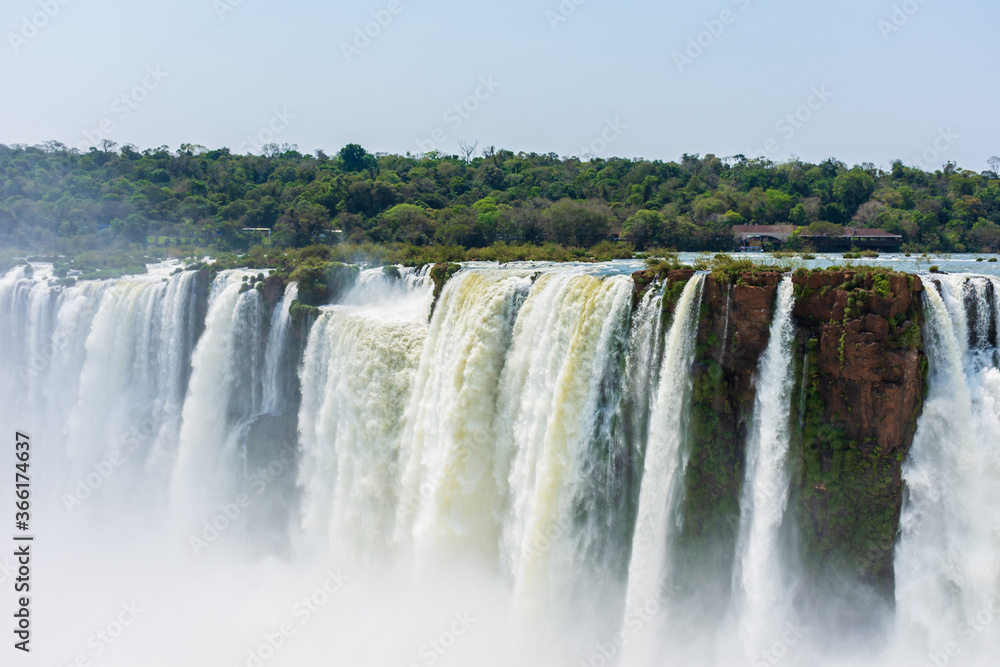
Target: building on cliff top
<point>755,236</point>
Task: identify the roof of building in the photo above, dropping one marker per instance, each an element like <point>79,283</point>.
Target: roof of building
<point>763,229</point>
<point>858,231</point>
<point>782,231</point>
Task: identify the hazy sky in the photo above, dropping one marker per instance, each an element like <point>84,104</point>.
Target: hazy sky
<point>861,80</point>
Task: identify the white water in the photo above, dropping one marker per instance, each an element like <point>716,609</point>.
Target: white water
<point>760,567</point>
<point>225,391</point>
<point>454,483</point>
<point>948,558</point>
<point>663,472</point>
<point>645,350</point>
<point>357,374</point>
<point>549,426</point>
<point>483,461</point>
<point>279,386</point>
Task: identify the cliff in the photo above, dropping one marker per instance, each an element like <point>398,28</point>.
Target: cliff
<point>860,372</point>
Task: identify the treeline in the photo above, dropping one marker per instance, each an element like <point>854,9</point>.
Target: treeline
<point>58,200</point>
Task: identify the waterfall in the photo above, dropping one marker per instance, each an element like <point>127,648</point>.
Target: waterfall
<point>663,466</point>
<point>549,423</point>
<point>760,566</point>
<point>103,366</point>
<point>454,483</point>
<point>513,450</point>
<point>642,366</point>
<point>225,391</point>
<point>279,362</point>
<point>138,351</point>
<point>357,376</point>
<point>948,556</point>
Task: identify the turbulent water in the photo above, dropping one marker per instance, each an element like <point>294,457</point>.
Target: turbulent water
<point>493,477</point>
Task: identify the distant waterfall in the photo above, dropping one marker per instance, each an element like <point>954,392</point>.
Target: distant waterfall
<point>948,557</point>
<point>642,367</point>
<point>760,567</point>
<point>663,458</point>
<point>43,346</point>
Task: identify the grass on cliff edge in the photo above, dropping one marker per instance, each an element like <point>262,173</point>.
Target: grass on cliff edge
<point>724,268</point>
<point>285,259</point>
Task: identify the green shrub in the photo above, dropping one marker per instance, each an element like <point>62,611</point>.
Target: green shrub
<point>881,284</point>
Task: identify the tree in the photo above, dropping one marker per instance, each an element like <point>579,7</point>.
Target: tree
<point>853,189</point>
<point>133,228</point>
<point>490,176</point>
<point>355,158</point>
<point>823,229</point>
<point>987,235</point>
<point>643,228</point>
<point>579,223</point>
<point>994,163</point>
<point>868,213</point>
<point>468,150</point>
<point>777,205</point>
<point>302,224</point>
<point>409,224</point>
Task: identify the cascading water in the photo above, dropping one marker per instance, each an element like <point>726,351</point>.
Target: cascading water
<point>760,567</point>
<point>549,424</point>
<point>503,438</point>
<point>649,568</point>
<point>280,360</point>
<point>104,366</point>
<point>453,483</point>
<point>224,392</point>
<point>357,375</point>
<point>948,557</point>
<point>642,364</point>
<point>138,353</point>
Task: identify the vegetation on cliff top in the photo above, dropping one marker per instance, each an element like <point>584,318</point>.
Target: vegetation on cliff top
<point>500,203</point>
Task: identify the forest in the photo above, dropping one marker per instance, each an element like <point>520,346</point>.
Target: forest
<point>488,204</point>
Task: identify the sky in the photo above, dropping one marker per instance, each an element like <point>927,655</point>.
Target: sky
<point>859,80</point>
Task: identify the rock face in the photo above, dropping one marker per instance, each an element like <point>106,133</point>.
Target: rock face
<point>864,379</point>
<point>860,372</point>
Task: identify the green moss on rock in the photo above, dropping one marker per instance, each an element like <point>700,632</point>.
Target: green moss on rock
<point>322,282</point>
<point>441,274</point>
